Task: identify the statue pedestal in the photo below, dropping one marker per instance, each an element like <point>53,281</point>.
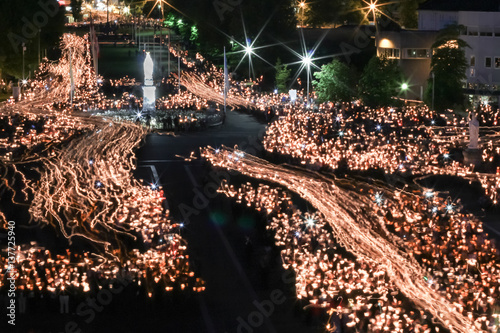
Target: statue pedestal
<point>473,156</point>
<point>149,103</point>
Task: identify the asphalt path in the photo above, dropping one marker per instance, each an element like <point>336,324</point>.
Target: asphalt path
<point>247,289</point>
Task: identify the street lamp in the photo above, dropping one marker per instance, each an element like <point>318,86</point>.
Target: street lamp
<point>433,87</point>
<point>24,49</point>
<point>302,5</point>
<point>404,89</point>
<point>307,61</point>
<point>249,51</point>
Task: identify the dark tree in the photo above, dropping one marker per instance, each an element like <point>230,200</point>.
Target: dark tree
<point>408,13</point>
<point>448,65</point>
<point>327,12</point>
<point>380,81</point>
<point>28,22</point>
<point>218,21</point>
<point>76,9</point>
<point>282,76</point>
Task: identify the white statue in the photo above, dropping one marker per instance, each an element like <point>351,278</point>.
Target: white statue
<point>473,131</point>
<point>148,70</point>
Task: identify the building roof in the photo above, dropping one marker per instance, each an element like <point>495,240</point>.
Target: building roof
<point>462,5</point>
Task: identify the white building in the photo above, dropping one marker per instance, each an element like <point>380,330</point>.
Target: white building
<point>481,19</point>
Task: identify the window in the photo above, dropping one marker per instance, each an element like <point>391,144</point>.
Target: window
<point>389,53</point>
<point>487,62</point>
<point>497,62</point>
<point>473,31</point>
<point>486,32</point>
<point>472,61</point>
<point>472,72</point>
<point>418,53</point>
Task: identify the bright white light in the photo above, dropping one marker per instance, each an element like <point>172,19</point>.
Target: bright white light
<point>341,133</point>
<point>429,194</point>
<point>379,127</point>
<point>25,81</point>
<point>434,209</point>
<point>449,207</point>
<point>154,187</point>
<point>404,86</point>
<point>310,222</point>
<point>373,6</point>
<point>307,60</point>
<point>181,225</point>
<point>446,155</point>
<point>248,49</point>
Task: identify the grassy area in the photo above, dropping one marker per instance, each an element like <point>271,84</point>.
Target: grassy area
<point>117,62</point>
<point>4,97</point>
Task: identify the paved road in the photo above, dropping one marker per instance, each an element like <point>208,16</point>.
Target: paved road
<point>236,275</point>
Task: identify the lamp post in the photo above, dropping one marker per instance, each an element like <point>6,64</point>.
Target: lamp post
<point>39,34</point>
<point>161,25</point>
<point>433,87</point>
<point>307,61</point>
<point>249,51</point>
<point>24,49</point>
<point>179,69</point>
<point>404,88</point>
<point>302,6</point>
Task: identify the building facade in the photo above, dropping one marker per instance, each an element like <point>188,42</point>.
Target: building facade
<point>481,21</point>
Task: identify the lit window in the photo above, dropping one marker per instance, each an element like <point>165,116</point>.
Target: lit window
<point>389,53</point>
<point>497,62</point>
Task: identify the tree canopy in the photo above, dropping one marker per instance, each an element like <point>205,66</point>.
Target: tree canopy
<point>380,81</point>
<point>20,22</point>
<point>448,66</point>
<point>325,12</point>
<point>282,76</point>
<point>335,82</point>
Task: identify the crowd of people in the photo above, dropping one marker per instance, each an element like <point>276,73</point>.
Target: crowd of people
<point>44,275</point>
<point>21,132</point>
<point>358,292</point>
<point>410,141</point>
